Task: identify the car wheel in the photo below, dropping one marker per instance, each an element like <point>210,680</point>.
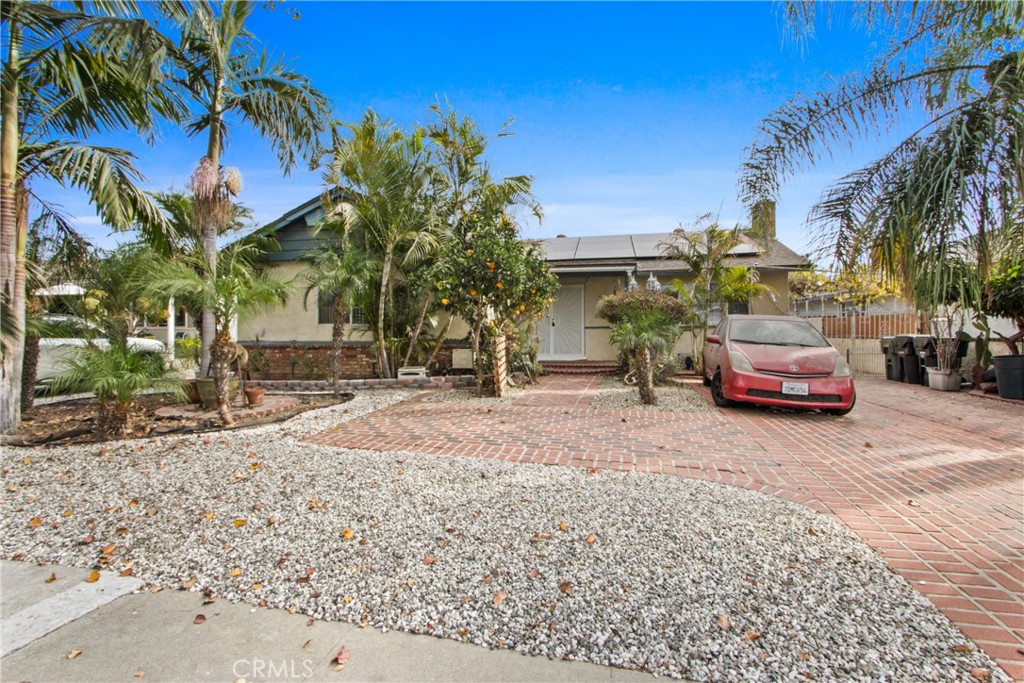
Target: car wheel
<point>717,395</point>
<point>841,411</point>
<point>704,379</point>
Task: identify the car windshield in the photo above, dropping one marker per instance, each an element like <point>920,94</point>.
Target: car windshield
<point>775,333</point>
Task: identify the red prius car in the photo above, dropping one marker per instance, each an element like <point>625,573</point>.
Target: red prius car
<point>776,360</point>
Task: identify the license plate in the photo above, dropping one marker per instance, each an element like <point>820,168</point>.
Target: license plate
<point>795,388</point>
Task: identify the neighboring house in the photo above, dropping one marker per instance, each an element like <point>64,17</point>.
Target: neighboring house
<point>588,268</point>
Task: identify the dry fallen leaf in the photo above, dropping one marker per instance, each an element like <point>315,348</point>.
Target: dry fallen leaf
<point>133,503</point>
<point>93,577</point>
<point>804,656</point>
<point>429,559</point>
<point>186,585</point>
<point>752,635</point>
<point>533,574</point>
<point>240,522</point>
<point>74,653</point>
<point>463,633</point>
<point>565,587</point>
<point>306,644</point>
<point>563,526</point>
<point>257,586</point>
<point>500,596</point>
<point>980,674</point>
<point>591,538</point>
<point>347,534</point>
<point>68,513</point>
<point>340,659</point>
<point>235,572</point>
<point>51,579</point>
<point>87,540</point>
<point>913,503</point>
<point>139,673</point>
<point>35,522</point>
<point>963,649</point>
<point>127,572</point>
<point>723,621</point>
<point>488,579</point>
<point>109,549</point>
<point>812,532</point>
<point>200,618</point>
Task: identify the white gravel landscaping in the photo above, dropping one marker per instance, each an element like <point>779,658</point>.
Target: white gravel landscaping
<point>679,577</point>
<point>614,395</point>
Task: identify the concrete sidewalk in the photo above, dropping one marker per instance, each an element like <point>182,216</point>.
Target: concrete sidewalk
<point>153,637</point>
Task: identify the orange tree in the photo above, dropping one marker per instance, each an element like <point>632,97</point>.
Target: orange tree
<point>496,282</point>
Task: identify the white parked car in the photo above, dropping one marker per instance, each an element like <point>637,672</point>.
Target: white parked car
<point>54,352</point>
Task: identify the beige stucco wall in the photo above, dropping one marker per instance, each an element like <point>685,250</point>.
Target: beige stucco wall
<point>295,323</point>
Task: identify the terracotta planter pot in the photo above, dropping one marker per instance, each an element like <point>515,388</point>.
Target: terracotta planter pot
<point>208,394</point>
<point>192,391</point>
<point>254,397</point>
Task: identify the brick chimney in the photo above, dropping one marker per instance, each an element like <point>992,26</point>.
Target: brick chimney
<point>762,219</point>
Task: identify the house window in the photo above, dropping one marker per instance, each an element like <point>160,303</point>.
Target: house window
<point>325,312</point>
<point>739,308</point>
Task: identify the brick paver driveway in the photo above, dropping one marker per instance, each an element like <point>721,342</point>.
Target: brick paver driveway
<point>933,481</point>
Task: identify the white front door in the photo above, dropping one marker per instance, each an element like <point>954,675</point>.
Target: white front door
<point>561,330</point>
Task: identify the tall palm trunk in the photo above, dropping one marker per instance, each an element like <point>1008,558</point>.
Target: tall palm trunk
<point>221,354</point>
<point>337,339</point>
<point>208,323</point>
<point>12,243</point>
<point>439,341</point>
<point>383,365</point>
<point>645,376</point>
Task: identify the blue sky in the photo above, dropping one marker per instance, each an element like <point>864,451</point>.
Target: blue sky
<point>631,116</point>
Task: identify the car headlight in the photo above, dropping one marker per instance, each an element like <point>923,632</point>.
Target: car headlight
<point>739,362</point>
<point>842,368</point>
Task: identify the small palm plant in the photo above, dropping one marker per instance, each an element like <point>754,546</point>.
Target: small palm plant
<point>646,324</point>
<point>241,287</point>
<point>116,374</point>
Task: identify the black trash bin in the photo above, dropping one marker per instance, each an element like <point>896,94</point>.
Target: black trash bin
<point>893,369</point>
<point>924,346</point>
<point>910,364</point>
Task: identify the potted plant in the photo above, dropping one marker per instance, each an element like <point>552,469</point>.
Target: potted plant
<point>948,332</point>
<point>1005,299</point>
<point>254,395</point>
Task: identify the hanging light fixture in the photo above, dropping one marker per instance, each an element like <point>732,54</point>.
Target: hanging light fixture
<point>652,283</point>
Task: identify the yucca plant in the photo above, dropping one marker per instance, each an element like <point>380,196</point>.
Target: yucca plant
<point>116,375</point>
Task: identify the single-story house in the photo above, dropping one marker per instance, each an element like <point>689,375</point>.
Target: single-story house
<point>297,337</point>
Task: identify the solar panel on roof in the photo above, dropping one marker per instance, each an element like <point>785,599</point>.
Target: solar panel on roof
<point>604,247</point>
<point>560,248</point>
<point>650,245</point>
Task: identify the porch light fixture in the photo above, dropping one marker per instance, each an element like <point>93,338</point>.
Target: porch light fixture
<point>652,283</point>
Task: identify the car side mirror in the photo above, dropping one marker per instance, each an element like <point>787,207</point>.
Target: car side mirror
<point>713,339</point>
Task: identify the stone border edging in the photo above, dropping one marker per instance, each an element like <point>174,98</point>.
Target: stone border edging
<point>452,382</point>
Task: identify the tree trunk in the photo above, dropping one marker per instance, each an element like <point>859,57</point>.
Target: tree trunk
<point>439,342</point>
<point>115,417</point>
<point>478,361</point>
<point>645,377</point>
<point>337,338</point>
<point>30,365</point>
<point>12,242</point>
<point>209,323</point>
<point>383,366</point>
<point>221,354</point>
<point>415,332</point>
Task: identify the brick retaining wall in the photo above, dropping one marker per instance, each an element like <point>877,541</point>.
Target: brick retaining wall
<point>313,360</point>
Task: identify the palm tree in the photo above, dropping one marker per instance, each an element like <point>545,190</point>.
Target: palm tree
<point>387,175</point>
<point>68,73</point>
<point>241,287</point>
<point>645,333</point>
<point>225,74</point>
<point>956,179</point>
<point>343,274</point>
<point>116,375</point>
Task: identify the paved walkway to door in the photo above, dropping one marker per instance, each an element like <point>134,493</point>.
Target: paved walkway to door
<point>933,481</point>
